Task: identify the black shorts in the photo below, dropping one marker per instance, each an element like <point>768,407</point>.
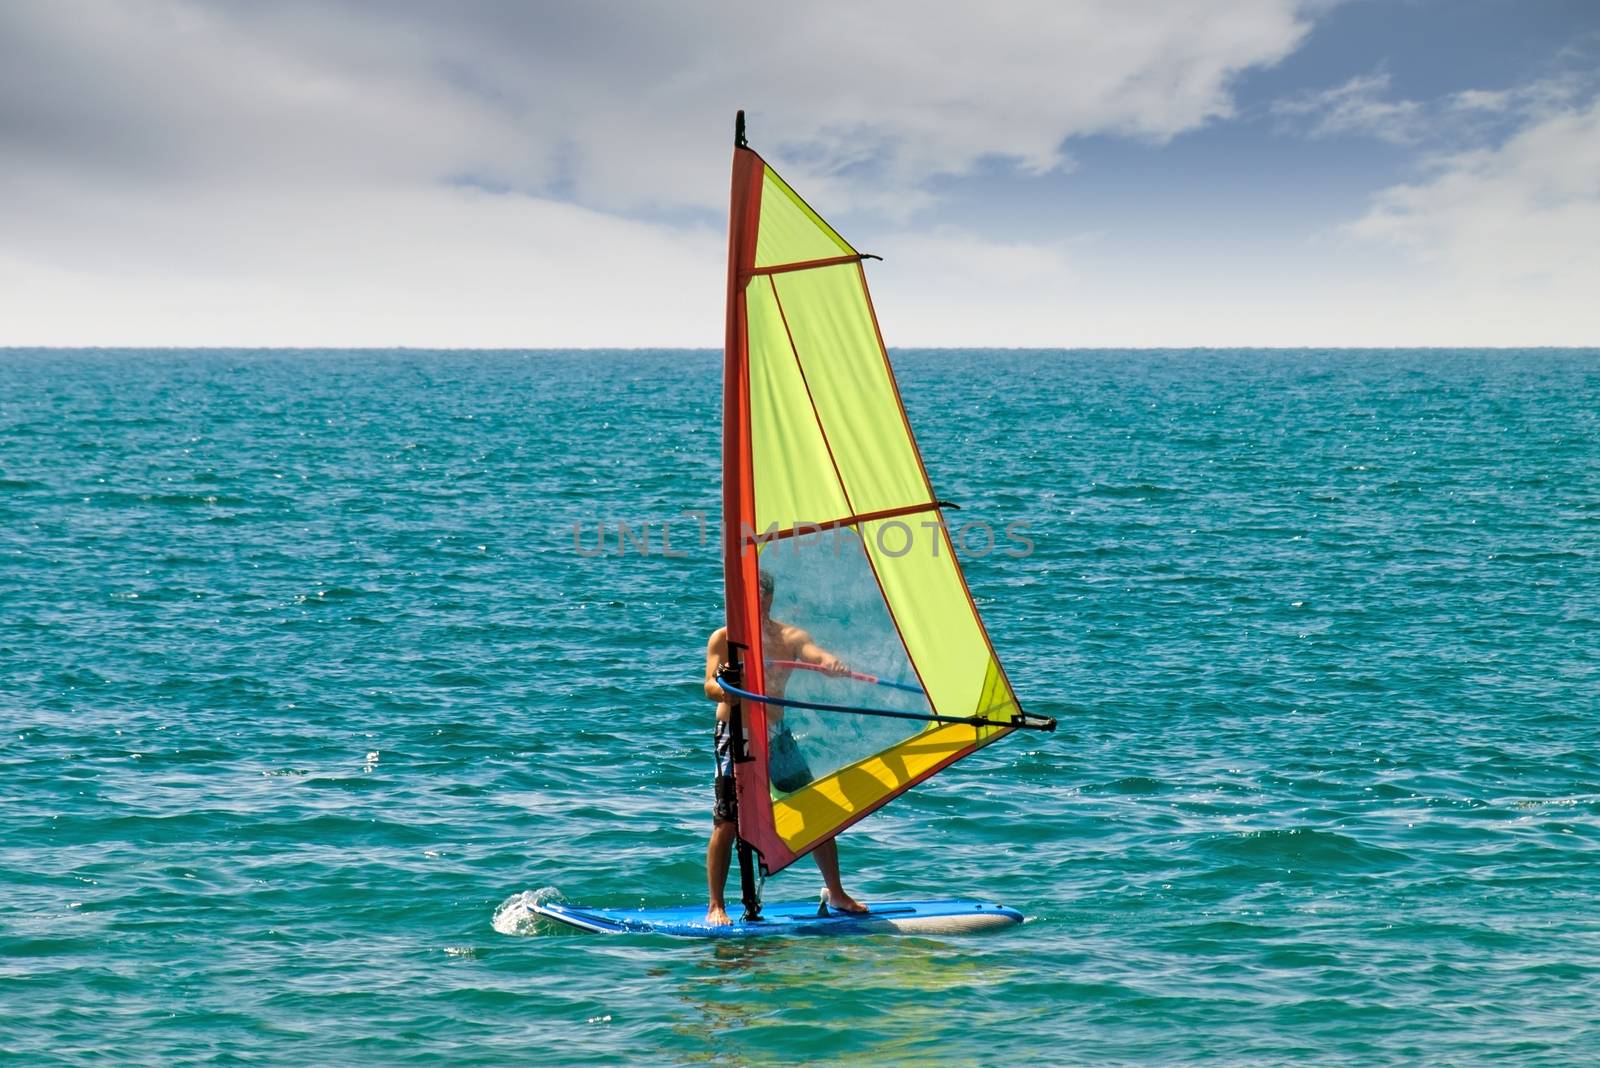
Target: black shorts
<point>725,807</point>
<point>787,767</point>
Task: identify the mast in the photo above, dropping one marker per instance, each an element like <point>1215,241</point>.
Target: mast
<point>738,508</point>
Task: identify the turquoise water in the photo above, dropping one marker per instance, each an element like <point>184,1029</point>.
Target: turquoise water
<point>302,677</point>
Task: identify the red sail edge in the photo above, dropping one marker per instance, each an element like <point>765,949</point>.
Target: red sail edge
<point>741,572</point>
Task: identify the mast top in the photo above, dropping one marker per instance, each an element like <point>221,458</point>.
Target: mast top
<point>738,130</point>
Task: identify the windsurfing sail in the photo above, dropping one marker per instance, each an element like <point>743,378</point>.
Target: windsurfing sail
<point>857,651</point>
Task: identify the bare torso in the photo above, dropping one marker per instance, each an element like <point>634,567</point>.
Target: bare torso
<point>781,642</point>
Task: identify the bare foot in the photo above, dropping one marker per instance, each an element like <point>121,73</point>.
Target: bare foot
<point>717,916</point>
<point>843,902</point>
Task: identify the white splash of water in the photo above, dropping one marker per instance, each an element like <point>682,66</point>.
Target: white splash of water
<point>515,916</point>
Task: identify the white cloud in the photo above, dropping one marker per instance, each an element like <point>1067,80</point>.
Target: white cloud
<point>402,267</point>
<point>949,287</point>
<point>1361,107</point>
<point>1491,100</point>
<point>619,104</point>
<point>182,172</point>
<point>1499,245</point>
<point>1357,107</point>
<point>1508,237</point>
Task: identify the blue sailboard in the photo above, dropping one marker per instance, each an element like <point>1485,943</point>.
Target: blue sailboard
<point>942,916</point>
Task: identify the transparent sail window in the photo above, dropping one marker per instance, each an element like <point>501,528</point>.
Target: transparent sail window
<point>829,638</point>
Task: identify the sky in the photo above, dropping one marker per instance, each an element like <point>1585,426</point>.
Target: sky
<point>1034,173</point>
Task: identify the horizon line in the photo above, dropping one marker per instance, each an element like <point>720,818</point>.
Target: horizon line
<point>718,348</point>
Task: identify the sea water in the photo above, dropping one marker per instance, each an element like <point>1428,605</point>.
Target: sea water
<point>311,661</point>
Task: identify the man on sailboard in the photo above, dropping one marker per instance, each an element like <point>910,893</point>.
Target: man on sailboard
<point>783,642</point>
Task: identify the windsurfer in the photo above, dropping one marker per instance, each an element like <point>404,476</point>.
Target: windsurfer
<point>780,642</point>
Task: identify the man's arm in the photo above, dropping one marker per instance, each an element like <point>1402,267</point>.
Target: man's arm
<point>809,652</point>
<point>716,656</point>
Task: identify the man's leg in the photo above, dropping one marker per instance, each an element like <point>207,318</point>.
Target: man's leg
<point>718,853</point>
<point>724,827</point>
<point>827,855</point>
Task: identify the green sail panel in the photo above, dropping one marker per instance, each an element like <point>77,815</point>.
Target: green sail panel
<point>836,342</point>
<point>787,446</point>
<point>790,231</point>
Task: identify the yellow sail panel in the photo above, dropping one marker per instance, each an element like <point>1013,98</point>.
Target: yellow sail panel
<point>793,473</point>
<point>790,231</point>
<point>809,816</point>
<point>836,344</point>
